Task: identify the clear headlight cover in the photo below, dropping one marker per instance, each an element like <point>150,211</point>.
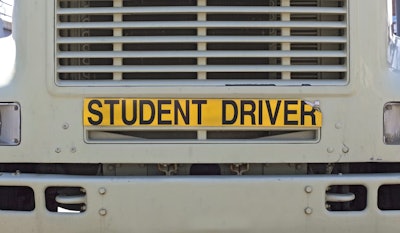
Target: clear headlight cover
<point>391,123</point>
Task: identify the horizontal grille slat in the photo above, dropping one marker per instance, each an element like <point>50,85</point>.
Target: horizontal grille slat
<point>237,40</point>
<point>195,54</point>
<point>195,24</point>
<point>196,9</point>
<point>202,39</point>
<point>198,68</point>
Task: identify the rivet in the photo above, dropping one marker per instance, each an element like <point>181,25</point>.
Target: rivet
<point>16,141</point>
<point>330,149</point>
<point>308,210</point>
<point>83,208</point>
<point>103,212</point>
<point>345,149</point>
<point>308,189</point>
<point>73,149</point>
<point>338,125</point>
<point>299,166</point>
<point>58,150</point>
<point>16,108</point>
<point>102,190</point>
<point>65,126</point>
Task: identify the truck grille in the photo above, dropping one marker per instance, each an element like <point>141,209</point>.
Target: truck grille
<point>235,41</point>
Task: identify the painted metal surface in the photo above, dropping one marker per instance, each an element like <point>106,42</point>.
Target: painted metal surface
<point>52,131</point>
<point>202,204</point>
<point>353,112</point>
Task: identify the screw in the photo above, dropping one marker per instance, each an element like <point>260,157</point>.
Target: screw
<point>103,212</point>
<point>58,150</point>
<point>102,190</point>
<point>83,207</point>
<point>16,108</point>
<point>16,141</point>
<point>308,189</point>
<point>308,210</point>
<point>17,172</point>
<point>73,149</point>
<point>65,126</point>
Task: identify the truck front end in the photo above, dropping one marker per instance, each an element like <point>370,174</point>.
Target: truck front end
<point>200,116</point>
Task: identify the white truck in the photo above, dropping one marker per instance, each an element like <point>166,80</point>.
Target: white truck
<point>200,116</point>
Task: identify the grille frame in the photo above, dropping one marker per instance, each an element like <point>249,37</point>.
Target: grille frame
<point>200,69</point>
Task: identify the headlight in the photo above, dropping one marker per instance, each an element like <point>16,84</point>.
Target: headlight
<point>10,124</point>
<point>391,123</point>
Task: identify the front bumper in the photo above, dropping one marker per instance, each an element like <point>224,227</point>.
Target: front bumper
<point>202,204</point>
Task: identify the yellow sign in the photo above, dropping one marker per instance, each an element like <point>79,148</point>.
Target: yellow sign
<point>268,113</point>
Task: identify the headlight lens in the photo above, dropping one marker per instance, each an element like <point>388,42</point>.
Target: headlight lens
<point>10,124</point>
<point>391,123</point>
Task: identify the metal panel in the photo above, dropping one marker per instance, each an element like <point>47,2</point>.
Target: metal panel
<point>200,204</point>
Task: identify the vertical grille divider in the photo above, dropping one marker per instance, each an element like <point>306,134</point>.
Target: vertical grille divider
<point>285,46</point>
<point>117,32</point>
<point>201,61</point>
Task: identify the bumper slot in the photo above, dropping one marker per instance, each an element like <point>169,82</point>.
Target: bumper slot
<point>17,198</point>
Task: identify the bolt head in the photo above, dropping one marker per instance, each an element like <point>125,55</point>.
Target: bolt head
<point>308,210</point>
<point>102,190</point>
<point>103,212</point>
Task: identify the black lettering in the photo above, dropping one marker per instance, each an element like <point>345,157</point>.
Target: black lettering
<point>111,103</point>
<point>304,114</point>
<point>244,112</point>
<point>184,115</point>
<point>95,112</point>
<point>199,104</point>
<point>225,121</point>
<point>260,112</point>
<point>142,103</point>
<point>273,116</point>
<point>162,111</point>
<point>289,112</point>
<point>134,113</point>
